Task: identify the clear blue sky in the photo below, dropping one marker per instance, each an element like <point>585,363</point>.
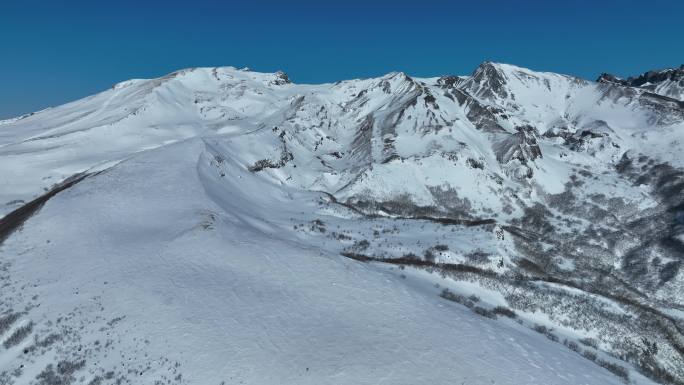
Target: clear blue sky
<point>52,52</point>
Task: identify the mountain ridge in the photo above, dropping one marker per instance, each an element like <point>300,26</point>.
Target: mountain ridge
<point>667,82</point>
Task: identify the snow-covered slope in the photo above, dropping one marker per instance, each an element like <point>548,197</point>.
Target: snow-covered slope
<point>225,225</point>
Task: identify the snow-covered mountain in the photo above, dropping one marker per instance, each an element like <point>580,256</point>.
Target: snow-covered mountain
<point>668,82</point>
<point>219,225</point>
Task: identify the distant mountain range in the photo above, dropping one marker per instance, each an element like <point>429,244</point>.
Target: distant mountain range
<point>668,82</point>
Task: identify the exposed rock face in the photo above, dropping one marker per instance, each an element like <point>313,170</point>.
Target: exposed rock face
<point>487,82</point>
<point>668,82</point>
<point>521,146</point>
<point>281,78</point>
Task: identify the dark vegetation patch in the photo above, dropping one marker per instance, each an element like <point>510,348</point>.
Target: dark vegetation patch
<point>616,369</point>
<point>263,164</point>
<point>656,229</point>
<point>504,311</point>
<point>470,302</point>
<point>458,298</point>
<point>14,220</point>
<point>441,248</point>
<point>478,256</point>
<point>63,374</point>
<point>484,312</point>
<point>527,295</point>
<point>541,329</point>
<point>403,208</point>
<point>46,342</point>
<point>19,335</point>
<point>7,320</point>
<point>474,163</point>
<point>317,225</point>
<point>413,260</point>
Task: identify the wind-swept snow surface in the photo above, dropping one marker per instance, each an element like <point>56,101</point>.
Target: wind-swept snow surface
<point>226,226</point>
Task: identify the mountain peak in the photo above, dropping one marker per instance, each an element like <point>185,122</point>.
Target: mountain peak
<point>281,78</point>
<point>609,78</point>
<point>487,67</point>
<point>489,80</point>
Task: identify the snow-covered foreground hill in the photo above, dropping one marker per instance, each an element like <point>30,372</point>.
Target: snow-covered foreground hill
<point>226,226</point>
